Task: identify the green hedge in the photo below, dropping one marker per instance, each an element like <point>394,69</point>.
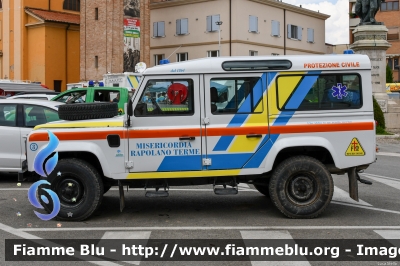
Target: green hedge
<point>378,115</point>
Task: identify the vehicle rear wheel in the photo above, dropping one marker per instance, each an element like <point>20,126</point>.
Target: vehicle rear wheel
<point>83,111</point>
<point>79,188</point>
<point>301,187</point>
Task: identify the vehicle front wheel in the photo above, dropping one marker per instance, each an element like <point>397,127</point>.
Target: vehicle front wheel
<point>301,187</point>
<point>79,188</point>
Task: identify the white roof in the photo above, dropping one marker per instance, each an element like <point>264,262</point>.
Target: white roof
<point>299,63</point>
<point>50,104</point>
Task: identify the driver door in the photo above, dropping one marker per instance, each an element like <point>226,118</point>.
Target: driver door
<point>166,133</point>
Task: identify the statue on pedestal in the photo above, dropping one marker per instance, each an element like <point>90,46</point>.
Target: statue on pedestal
<point>366,10</point>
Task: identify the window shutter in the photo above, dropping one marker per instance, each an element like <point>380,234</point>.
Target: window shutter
<point>209,20</point>
<point>160,29</point>
<point>299,33</point>
<point>155,29</point>
<point>275,28</point>
<point>310,35</point>
<point>184,26</point>
<point>178,26</point>
<point>289,30</point>
<point>214,26</point>
<point>253,21</point>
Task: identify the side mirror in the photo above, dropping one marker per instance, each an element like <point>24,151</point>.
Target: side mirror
<point>130,107</point>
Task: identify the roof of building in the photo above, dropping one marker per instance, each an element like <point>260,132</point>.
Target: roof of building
<point>155,4</point>
<point>53,16</point>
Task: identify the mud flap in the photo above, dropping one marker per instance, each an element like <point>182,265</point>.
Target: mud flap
<point>121,196</point>
<point>353,184</point>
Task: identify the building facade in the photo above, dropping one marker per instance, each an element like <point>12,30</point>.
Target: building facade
<point>113,36</point>
<point>39,41</point>
<point>187,29</point>
<point>190,29</point>
<point>389,14</point>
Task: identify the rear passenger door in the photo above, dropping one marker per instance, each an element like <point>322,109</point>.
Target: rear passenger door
<point>165,135</point>
<point>235,106</point>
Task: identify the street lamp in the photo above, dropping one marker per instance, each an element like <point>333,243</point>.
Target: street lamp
<point>219,23</point>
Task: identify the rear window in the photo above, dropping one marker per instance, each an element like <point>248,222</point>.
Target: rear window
<point>319,92</point>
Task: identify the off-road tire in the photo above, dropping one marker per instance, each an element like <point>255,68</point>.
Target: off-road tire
<point>301,187</point>
<point>83,111</point>
<point>87,189</point>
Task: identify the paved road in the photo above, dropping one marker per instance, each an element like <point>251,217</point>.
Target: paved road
<point>196,213</point>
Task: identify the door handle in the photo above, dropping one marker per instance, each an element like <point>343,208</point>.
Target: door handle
<point>254,136</point>
<point>187,138</point>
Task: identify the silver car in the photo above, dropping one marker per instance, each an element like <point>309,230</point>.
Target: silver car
<point>17,118</point>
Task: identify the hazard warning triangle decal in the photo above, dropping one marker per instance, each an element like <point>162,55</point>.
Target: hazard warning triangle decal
<point>355,148</point>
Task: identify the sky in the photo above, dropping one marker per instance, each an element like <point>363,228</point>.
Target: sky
<point>337,26</point>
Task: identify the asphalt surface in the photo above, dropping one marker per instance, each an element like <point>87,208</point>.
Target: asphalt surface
<point>197,213</point>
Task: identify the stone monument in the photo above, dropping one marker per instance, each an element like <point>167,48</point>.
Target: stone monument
<point>370,38</point>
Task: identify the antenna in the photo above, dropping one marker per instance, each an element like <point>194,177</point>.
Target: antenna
<point>174,51</point>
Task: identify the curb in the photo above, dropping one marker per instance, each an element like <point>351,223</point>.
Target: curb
<point>395,136</point>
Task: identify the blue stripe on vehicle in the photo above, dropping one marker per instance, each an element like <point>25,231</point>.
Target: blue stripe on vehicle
<point>259,156</point>
<point>180,163</point>
<point>238,119</point>
<point>223,143</point>
<point>130,83</point>
<point>282,119</point>
<point>301,92</point>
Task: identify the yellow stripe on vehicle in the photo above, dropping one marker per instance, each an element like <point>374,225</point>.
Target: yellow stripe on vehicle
<point>244,144</point>
<point>82,124</point>
<point>188,174</point>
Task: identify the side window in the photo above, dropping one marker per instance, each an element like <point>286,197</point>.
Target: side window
<point>51,115</point>
<point>211,23</point>
<point>294,32</point>
<point>159,29</point>
<point>236,95</point>
<point>253,24</point>
<point>275,28</point>
<point>73,5</point>
<point>34,115</point>
<point>310,35</point>
<point>166,97</point>
<point>319,92</point>
<point>182,26</point>
<point>106,96</point>
<point>8,115</point>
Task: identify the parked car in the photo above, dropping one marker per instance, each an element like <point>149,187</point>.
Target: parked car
<point>47,92</point>
<point>33,96</point>
<point>17,118</point>
<point>96,94</point>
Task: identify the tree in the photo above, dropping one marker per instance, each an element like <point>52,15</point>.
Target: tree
<point>389,74</point>
<point>378,116</point>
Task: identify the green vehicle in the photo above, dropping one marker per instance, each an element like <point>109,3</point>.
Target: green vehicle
<point>96,94</point>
